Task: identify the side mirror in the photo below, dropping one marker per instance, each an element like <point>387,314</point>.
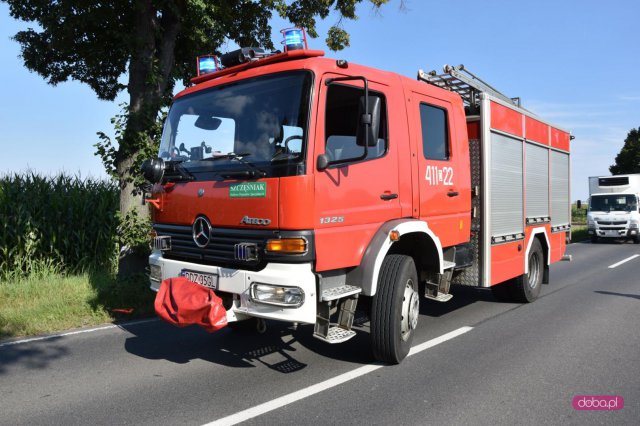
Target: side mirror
<point>153,170</point>
<point>322,162</point>
<point>369,125</point>
<point>579,204</point>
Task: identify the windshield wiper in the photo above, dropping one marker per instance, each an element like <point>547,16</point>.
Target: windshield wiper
<point>252,173</point>
<point>175,166</point>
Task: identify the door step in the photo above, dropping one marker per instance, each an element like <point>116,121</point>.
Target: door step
<point>336,334</point>
<point>339,292</point>
<point>440,297</point>
<point>447,265</point>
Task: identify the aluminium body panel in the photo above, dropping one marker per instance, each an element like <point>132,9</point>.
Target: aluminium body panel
<point>537,180</point>
<point>560,203</point>
<point>506,186</point>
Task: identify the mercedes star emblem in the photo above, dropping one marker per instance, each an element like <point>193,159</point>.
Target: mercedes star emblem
<point>201,231</point>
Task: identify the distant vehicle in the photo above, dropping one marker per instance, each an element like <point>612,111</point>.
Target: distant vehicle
<point>613,207</point>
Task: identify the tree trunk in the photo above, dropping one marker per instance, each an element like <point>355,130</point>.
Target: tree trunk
<point>150,69</point>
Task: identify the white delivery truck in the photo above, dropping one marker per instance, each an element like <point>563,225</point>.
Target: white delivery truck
<point>613,207</point>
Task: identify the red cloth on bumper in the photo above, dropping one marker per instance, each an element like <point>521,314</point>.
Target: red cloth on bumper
<point>182,302</point>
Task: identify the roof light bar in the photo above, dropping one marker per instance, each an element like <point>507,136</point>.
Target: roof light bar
<point>207,64</point>
<point>294,39</point>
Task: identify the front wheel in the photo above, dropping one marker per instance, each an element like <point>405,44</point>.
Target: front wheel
<point>594,239</point>
<point>395,309</point>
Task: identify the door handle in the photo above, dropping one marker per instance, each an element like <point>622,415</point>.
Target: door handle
<point>387,196</point>
<point>452,194</point>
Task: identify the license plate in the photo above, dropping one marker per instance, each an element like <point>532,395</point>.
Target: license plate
<point>207,280</point>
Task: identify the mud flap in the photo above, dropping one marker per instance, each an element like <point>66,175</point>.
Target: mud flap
<point>182,302</point>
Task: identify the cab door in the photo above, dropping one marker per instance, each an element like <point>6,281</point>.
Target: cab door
<point>443,169</point>
<point>352,200</point>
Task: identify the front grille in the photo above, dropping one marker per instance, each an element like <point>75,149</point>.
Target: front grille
<point>615,222</point>
<point>612,228</point>
<point>221,249</point>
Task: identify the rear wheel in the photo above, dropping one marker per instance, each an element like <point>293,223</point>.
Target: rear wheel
<point>395,309</point>
<point>526,287</point>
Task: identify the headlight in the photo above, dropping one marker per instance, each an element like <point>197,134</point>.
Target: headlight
<point>155,273</point>
<point>288,297</point>
<point>634,224</point>
<point>591,223</point>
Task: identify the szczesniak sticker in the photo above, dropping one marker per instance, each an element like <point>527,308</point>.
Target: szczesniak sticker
<point>248,190</point>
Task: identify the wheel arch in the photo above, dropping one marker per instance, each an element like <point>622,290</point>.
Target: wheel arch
<point>416,240</point>
<point>539,234</point>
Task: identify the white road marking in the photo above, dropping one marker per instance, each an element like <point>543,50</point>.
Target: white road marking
<point>327,384</point>
<point>615,265</point>
<point>71,333</point>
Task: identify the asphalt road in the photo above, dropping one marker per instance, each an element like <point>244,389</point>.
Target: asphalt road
<point>510,364</point>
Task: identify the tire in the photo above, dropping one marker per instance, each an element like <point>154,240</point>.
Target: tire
<point>594,239</point>
<point>636,239</point>
<point>395,309</point>
<point>526,287</point>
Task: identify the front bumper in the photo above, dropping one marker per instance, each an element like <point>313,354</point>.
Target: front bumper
<point>237,282</point>
<point>613,233</point>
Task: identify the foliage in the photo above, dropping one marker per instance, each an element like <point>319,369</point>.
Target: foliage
<point>579,233</point>
<point>145,146</point>
<point>57,224</point>
<point>628,159</point>
<point>134,232</point>
<point>579,215</point>
<point>98,42</point>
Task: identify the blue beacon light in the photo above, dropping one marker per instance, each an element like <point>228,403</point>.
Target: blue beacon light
<point>207,64</point>
<point>294,39</point>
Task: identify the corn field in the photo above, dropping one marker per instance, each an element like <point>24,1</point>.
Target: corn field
<point>61,223</point>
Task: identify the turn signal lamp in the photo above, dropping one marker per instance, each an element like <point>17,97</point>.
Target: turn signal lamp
<point>287,246</point>
<point>294,39</point>
<point>207,64</point>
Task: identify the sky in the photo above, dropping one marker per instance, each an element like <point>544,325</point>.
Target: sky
<point>575,63</point>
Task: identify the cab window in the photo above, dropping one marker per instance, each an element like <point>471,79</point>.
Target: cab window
<point>435,132</point>
<point>342,124</point>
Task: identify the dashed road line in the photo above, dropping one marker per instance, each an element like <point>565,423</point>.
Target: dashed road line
<point>615,265</point>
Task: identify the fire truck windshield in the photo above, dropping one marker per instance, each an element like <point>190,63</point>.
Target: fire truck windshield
<point>609,203</point>
<point>263,119</point>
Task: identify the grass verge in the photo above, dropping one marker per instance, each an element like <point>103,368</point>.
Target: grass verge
<point>579,233</point>
<point>49,302</point>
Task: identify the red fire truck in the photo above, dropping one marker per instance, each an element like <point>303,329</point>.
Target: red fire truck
<point>299,188</point>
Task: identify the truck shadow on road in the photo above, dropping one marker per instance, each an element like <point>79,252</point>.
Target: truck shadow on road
<point>632,296</point>
<point>238,349</point>
<point>278,348</point>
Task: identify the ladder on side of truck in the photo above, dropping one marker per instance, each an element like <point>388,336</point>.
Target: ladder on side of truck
<point>466,84</point>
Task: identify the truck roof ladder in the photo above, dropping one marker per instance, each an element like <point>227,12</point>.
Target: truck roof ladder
<point>466,84</point>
